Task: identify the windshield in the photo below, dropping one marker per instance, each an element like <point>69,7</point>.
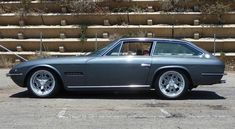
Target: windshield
<point>99,51</point>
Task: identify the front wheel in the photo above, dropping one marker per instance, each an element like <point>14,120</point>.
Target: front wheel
<point>171,84</point>
<point>43,83</point>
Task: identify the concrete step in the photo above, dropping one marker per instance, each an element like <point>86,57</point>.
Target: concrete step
<point>75,44</point>
<point>53,44</point>
<point>133,18</point>
<point>161,30</point>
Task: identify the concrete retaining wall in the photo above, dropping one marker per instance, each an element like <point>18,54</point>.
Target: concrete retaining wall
<point>164,25</point>
<point>117,18</point>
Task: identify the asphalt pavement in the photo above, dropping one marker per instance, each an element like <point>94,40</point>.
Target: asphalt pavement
<point>207,107</point>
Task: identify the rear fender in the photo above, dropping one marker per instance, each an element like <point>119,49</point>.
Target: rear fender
<point>184,69</point>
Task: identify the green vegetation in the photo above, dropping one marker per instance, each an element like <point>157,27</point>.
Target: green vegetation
<point>83,35</point>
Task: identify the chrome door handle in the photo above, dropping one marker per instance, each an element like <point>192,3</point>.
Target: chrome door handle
<point>145,65</point>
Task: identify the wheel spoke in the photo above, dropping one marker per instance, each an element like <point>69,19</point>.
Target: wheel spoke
<point>175,86</point>
<point>42,82</point>
<point>171,83</point>
<point>167,87</point>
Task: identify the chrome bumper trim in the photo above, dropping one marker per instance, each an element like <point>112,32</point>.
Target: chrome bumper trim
<point>213,74</point>
<point>222,81</point>
<point>124,86</point>
<point>14,74</point>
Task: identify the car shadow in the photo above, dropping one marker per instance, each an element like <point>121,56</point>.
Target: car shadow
<point>193,95</point>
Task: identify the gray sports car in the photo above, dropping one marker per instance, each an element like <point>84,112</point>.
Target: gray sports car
<point>170,67</point>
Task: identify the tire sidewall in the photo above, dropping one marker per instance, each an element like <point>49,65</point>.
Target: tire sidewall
<point>52,93</point>
<point>162,95</point>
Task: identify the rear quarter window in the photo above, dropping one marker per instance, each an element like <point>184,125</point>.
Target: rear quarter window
<point>175,49</point>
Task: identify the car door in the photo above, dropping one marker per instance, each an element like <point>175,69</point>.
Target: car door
<point>118,67</point>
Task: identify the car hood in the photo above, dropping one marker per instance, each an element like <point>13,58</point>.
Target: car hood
<point>59,60</point>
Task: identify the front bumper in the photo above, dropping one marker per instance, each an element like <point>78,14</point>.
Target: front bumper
<point>14,74</point>
<point>18,78</point>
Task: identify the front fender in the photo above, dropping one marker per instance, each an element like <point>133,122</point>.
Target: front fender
<point>42,66</point>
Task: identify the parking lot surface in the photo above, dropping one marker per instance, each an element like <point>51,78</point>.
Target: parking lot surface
<point>207,107</point>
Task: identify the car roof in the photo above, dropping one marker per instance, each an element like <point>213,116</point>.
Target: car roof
<point>163,39</point>
<point>153,39</point>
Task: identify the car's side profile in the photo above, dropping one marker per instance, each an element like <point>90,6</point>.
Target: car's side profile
<point>171,67</point>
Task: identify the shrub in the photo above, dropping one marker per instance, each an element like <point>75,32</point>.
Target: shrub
<point>133,8</point>
<point>25,5</point>
<point>175,5</point>
<point>84,6</point>
<point>83,35</point>
<point>217,8</point>
<point>83,32</point>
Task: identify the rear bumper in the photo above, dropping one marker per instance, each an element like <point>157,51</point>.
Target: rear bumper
<point>213,74</point>
<point>211,78</point>
<point>221,82</point>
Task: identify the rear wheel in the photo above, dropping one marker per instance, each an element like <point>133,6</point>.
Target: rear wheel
<point>171,84</point>
<point>43,83</point>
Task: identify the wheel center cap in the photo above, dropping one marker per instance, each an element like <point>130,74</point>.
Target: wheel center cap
<point>171,83</point>
<point>42,81</point>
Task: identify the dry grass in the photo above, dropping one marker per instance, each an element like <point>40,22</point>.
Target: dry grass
<point>229,62</point>
<point>5,62</point>
<point>39,56</point>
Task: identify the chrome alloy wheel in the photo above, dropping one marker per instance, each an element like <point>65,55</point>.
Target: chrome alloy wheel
<point>171,84</point>
<point>42,82</point>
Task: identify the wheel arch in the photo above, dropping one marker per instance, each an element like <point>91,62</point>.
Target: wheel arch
<point>48,67</point>
<point>166,68</point>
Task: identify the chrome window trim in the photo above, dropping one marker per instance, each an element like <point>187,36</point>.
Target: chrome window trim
<point>195,47</point>
<point>181,43</point>
<point>122,42</point>
<point>153,47</point>
<point>190,45</point>
<point>120,48</point>
<point>111,48</point>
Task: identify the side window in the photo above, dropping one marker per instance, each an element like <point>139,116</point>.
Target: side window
<point>175,49</point>
<point>131,49</point>
<point>136,49</point>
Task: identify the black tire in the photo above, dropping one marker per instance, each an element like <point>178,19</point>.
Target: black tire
<point>54,91</point>
<point>181,94</point>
